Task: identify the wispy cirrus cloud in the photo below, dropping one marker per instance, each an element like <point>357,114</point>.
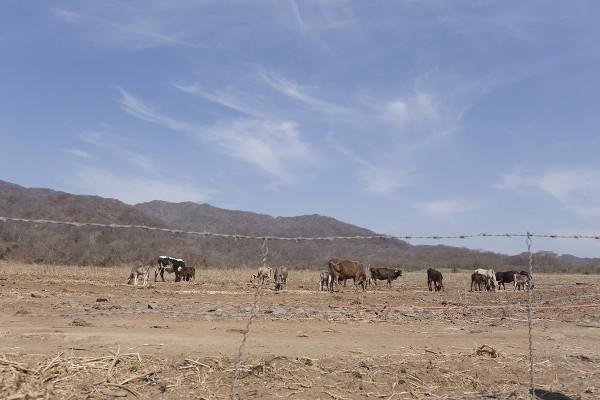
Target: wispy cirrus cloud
<point>577,188</point>
<point>118,28</point>
<point>229,98</point>
<point>300,93</point>
<point>275,147</point>
<point>78,153</point>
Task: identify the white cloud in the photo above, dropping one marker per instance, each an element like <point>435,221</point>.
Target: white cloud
<point>578,189</point>
<point>300,93</point>
<point>445,207</point>
<point>228,98</point>
<point>275,147</point>
<point>272,146</point>
<point>420,112</point>
<point>137,29</point>
<point>78,153</point>
<point>134,189</point>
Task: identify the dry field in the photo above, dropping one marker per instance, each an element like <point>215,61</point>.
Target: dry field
<point>74,332</point>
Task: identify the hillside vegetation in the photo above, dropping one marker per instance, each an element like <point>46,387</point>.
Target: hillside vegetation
<point>55,244</point>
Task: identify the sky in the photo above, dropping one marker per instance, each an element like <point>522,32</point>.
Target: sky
<point>405,117</point>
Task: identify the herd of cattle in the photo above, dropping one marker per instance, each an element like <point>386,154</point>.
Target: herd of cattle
<point>338,272</point>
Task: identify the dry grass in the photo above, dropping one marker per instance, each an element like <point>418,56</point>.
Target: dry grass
<point>42,300</point>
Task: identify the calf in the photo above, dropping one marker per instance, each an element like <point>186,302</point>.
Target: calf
<point>346,269</point>
<point>528,277</point>
<point>170,265</point>
<point>188,273</point>
<point>434,279</point>
<point>477,280</point>
<point>385,274</point>
<point>280,276</point>
<point>520,281</point>
<point>505,277</point>
<point>137,272</point>
<point>263,273</point>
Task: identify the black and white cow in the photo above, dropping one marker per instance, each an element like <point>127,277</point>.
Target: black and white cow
<point>170,265</point>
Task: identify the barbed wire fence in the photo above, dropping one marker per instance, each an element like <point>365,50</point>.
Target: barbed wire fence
<point>529,236</point>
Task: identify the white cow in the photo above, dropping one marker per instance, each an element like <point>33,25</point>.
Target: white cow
<point>490,274</point>
<point>139,272</point>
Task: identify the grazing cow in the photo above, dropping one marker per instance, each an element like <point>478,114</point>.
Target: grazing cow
<point>346,269</point>
<point>263,273</point>
<point>280,276</point>
<point>490,274</point>
<point>170,265</point>
<point>505,277</point>
<point>188,273</point>
<point>385,274</point>
<point>520,281</point>
<point>139,272</point>
<point>528,277</point>
<point>478,280</point>
<point>324,279</point>
<point>434,278</point>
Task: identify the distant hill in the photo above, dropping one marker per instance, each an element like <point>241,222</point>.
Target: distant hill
<point>200,217</point>
<point>109,246</point>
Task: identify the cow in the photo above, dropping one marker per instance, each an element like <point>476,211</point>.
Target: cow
<point>520,281</point>
<point>346,269</point>
<point>434,280</point>
<point>280,276</point>
<point>188,273</point>
<point>139,272</point>
<point>170,265</point>
<point>528,277</point>
<point>477,280</point>
<point>263,273</point>
<point>505,277</point>
<point>324,280</point>
<point>385,274</point>
<point>490,274</point>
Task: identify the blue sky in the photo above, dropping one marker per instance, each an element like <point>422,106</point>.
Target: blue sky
<point>405,117</point>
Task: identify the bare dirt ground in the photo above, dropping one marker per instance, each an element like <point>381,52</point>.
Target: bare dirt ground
<point>73,332</point>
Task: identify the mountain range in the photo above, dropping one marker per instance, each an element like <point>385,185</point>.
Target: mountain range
<point>61,244</point>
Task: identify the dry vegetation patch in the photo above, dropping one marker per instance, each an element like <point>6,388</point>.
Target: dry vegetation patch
<point>178,340</point>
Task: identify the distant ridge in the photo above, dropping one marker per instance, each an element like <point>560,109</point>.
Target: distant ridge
<point>104,246</point>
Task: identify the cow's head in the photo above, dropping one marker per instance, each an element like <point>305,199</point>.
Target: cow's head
<point>397,272</point>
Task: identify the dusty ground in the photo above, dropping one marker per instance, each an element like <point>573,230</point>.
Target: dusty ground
<point>83,333</point>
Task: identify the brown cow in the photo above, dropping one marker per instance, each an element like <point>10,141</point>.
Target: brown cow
<point>280,276</point>
<point>434,280</point>
<point>346,269</point>
<point>188,273</point>
<point>385,274</point>
<point>477,280</point>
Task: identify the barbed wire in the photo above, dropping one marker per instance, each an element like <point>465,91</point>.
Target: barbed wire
<point>302,238</point>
